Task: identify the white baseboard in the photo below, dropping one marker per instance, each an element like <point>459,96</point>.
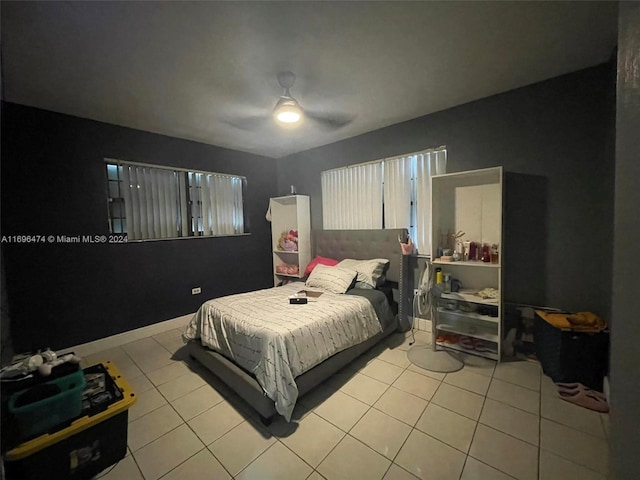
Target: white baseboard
<point>113,341</point>
<point>421,324</point>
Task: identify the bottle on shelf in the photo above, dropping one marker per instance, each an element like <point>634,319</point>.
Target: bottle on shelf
<point>486,253</point>
<point>465,250</point>
<point>446,282</point>
<point>494,254</point>
<point>473,251</point>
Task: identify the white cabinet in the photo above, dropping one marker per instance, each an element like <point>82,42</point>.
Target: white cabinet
<point>290,257</point>
<point>469,320</point>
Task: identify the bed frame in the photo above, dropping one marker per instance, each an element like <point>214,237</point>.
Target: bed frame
<point>337,244</point>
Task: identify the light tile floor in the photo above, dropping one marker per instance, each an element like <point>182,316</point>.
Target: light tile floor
<point>379,418</point>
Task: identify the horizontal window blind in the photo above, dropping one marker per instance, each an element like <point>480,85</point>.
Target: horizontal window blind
<point>152,202</point>
<point>352,197</point>
<point>389,193</point>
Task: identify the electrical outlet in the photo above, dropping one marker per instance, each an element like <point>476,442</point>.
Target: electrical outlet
<point>196,291</point>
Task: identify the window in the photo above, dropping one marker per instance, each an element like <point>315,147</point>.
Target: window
<point>352,197</point>
<point>151,202</point>
<point>390,193</point>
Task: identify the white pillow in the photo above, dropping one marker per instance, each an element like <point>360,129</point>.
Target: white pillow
<point>331,279</point>
<point>369,271</point>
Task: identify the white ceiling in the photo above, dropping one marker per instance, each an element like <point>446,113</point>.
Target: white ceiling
<point>204,70</point>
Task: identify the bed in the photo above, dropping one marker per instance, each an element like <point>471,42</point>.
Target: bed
<point>271,374</point>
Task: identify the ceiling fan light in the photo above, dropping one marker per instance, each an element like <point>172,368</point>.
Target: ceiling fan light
<point>288,112</point>
<point>288,116</point>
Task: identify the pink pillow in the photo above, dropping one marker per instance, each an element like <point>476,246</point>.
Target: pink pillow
<point>330,262</point>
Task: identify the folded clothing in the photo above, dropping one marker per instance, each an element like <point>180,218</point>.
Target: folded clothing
<point>489,293</point>
<point>580,321</point>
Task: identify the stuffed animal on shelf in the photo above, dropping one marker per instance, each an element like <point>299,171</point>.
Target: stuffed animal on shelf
<point>288,241</point>
<point>287,269</point>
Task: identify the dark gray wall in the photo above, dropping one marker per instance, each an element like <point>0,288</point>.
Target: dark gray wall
<point>557,135</point>
<point>53,183</point>
<point>625,355</point>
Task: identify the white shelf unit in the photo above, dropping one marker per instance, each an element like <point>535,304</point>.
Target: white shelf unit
<point>290,213</point>
<point>470,202</point>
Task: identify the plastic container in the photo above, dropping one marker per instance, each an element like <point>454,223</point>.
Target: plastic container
<point>34,416</point>
<point>451,304</point>
<point>94,441</point>
<point>467,307</point>
<point>568,356</point>
<point>446,282</point>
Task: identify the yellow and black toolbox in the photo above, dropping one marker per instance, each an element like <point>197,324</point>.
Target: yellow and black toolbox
<point>72,435</point>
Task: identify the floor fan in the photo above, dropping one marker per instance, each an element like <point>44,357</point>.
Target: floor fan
<point>429,357</point>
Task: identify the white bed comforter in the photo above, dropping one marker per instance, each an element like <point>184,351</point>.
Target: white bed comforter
<point>277,341</point>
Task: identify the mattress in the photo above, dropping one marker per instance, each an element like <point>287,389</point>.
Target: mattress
<point>276,341</point>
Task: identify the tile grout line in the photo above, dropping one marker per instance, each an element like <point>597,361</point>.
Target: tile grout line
<point>388,386</point>
<point>573,462</point>
<point>537,412</point>
<point>137,466</point>
<point>359,419</point>
<point>186,460</point>
<point>206,447</point>
<point>488,426</point>
<point>484,399</point>
<point>165,433</point>
<point>375,451</point>
<point>566,426</point>
<point>414,428</point>
<point>510,435</point>
<point>492,466</point>
<point>372,407</point>
<point>184,422</point>
<point>577,430</point>
<point>313,469</point>
<point>278,440</point>
<point>458,413</point>
<point>154,387</point>
<point>539,421</point>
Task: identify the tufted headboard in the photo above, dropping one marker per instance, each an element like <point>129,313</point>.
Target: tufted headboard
<point>361,245</point>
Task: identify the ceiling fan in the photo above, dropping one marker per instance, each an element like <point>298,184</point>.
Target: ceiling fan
<point>289,113</point>
<point>287,110</point>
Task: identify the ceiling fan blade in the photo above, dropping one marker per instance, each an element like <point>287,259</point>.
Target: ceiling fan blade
<point>331,121</point>
<point>250,123</point>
